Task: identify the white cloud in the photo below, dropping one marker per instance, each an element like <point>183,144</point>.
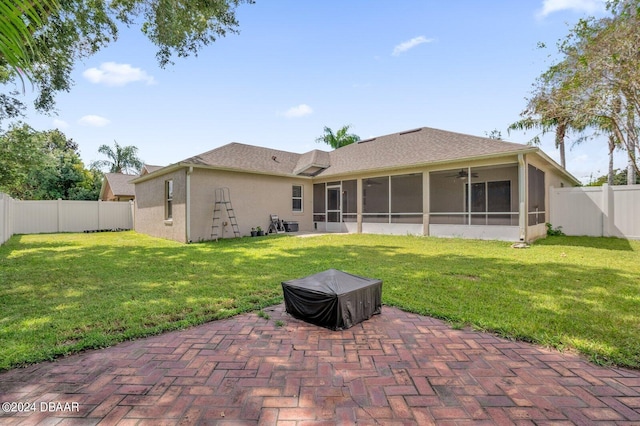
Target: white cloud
<point>410,44</point>
<point>60,124</point>
<point>298,111</point>
<point>588,6</point>
<point>94,120</point>
<point>113,74</point>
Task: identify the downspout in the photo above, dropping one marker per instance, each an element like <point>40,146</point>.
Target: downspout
<point>522,198</point>
<point>188,205</point>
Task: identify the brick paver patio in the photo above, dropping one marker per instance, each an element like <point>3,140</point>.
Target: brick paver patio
<point>396,368</point>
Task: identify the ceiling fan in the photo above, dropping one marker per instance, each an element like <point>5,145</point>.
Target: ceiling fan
<point>463,174</point>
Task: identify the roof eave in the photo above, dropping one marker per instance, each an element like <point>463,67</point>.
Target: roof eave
<point>173,167</point>
<point>440,162</point>
<point>561,169</point>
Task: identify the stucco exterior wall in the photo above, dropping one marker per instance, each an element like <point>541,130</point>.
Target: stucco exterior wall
<point>551,179</point>
<point>253,197</point>
<point>150,207</point>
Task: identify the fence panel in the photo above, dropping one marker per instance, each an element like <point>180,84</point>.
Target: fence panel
<point>116,215</point>
<point>35,217</point>
<point>577,210</point>
<point>78,216</point>
<point>609,211</point>
<point>6,217</point>
<point>626,212</point>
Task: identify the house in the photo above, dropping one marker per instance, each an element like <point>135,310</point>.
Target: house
<point>118,186</point>
<point>422,181</point>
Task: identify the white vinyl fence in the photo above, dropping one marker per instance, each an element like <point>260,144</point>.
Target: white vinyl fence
<point>600,211</point>
<point>35,217</point>
<point>6,217</point>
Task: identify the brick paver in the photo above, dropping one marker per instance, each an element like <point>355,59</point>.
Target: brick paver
<point>396,368</point>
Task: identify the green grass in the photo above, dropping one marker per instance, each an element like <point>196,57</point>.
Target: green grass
<point>63,293</point>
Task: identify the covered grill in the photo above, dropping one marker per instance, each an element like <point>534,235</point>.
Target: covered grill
<point>333,299</point>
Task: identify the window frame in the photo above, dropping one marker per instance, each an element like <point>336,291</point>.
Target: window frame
<point>168,200</point>
<point>295,198</point>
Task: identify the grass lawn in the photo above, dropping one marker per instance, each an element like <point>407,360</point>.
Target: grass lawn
<point>62,293</point>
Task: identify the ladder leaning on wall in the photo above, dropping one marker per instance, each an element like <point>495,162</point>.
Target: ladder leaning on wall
<point>223,200</point>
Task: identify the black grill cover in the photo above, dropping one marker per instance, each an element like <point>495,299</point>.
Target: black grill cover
<point>333,299</point>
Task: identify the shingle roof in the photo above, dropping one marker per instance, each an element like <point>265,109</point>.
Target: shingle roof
<point>312,162</point>
<point>417,147</point>
<point>119,184</point>
<point>148,168</point>
<point>414,147</point>
<point>247,158</point>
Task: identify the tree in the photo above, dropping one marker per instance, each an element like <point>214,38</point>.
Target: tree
<point>20,21</point>
<point>594,89</point>
<point>495,134</point>
<point>338,139</point>
<point>619,177</point>
<point>44,166</point>
<point>122,159</point>
<point>21,151</point>
<point>78,29</point>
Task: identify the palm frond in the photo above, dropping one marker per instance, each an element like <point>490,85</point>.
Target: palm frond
<point>19,22</point>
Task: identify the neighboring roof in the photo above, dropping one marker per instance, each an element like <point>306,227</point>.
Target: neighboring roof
<point>148,168</point>
<point>119,183</point>
<point>415,147</point>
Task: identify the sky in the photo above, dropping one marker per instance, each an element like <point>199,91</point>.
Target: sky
<point>379,66</point>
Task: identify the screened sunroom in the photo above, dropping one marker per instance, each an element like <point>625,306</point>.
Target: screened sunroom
<point>470,202</point>
<point>484,202</point>
<point>391,204</point>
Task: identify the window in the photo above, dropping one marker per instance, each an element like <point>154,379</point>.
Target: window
<point>168,196</point>
<point>296,198</point>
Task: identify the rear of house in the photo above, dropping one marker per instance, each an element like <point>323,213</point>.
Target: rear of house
<point>422,182</point>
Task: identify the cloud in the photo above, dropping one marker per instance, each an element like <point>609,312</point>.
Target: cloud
<point>410,44</point>
<point>94,121</point>
<point>588,6</point>
<point>113,74</point>
<point>60,124</point>
<point>298,111</point>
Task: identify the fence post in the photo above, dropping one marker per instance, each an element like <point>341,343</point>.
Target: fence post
<point>3,219</point>
<point>99,215</point>
<point>59,214</point>
<point>132,205</point>
<point>608,206</point>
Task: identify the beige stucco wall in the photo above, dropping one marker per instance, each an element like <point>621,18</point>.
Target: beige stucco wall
<point>552,178</point>
<point>150,205</point>
<point>253,197</point>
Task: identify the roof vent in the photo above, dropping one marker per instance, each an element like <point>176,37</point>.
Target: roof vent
<point>367,140</point>
<point>411,131</point>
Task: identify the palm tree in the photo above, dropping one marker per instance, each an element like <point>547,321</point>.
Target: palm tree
<point>123,159</point>
<point>339,139</point>
<point>20,20</point>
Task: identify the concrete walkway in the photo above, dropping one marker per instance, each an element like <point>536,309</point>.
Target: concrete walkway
<point>396,368</point>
